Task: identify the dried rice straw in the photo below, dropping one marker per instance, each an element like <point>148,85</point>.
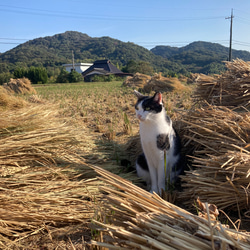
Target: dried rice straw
<point>135,218</point>
<point>218,140</point>
<point>232,88</point>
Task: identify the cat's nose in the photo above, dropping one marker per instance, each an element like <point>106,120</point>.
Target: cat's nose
<point>140,117</point>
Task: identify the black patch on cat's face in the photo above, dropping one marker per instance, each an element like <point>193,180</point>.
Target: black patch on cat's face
<point>162,142</point>
<point>149,104</point>
<point>141,160</point>
<point>140,100</point>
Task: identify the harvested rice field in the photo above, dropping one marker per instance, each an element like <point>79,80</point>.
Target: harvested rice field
<point>67,178</point>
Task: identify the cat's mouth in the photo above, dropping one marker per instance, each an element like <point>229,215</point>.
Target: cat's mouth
<point>140,118</point>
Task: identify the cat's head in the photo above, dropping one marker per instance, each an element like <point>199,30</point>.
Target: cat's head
<point>148,106</point>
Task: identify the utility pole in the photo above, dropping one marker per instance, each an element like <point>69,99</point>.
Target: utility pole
<point>231,35</point>
<point>73,61</point>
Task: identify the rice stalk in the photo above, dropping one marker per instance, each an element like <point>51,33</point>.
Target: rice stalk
<point>135,218</point>
<point>229,89</point>
<point>217,139</point>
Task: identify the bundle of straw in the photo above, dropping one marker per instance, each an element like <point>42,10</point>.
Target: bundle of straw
<point>201,78</point>
<point>133,148</point>
<point>136,81</point>
<point>45,187</point>
<point>222,180</point>
<point>232,88</point>
<point>134,218</point>
<point>19,86</point>
<point>8,100</point>
<point>43,201</point>
<point>160,83</point>
<point>218,139</point>
<point>31,136</point>
<point>165,84</point>
<point>214,130</point>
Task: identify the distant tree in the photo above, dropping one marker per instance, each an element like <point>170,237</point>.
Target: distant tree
<point>130,67</point>
<point>5,77</point>
<point>138,66</point>
<point>34,74</point>
<point>75,76</point>
<point>214,68</point>
<point>4,67</point>
<point>20,72</point>
<point>63,77</point>
<point>37,75</point>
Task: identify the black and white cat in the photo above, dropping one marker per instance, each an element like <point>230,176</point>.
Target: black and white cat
<point>160,143</point>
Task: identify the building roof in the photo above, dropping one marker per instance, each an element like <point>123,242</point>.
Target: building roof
<point>104,66</point>
<point>77,64</point>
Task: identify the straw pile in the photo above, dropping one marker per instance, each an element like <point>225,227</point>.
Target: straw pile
<point>45,189</point>
<point>232,88</point>
<point>43,201</point>
<point>36,99</point>
<point>138,80</point>
<point>31,136</point>
<point>10,101</point>
<point>163,84</point>
<point>154,83</point>
<point>218,138</point>
<point>47,193</point>
<point>19,86</point>
<point>135,219</point>
<point>202,79</point>
<point>133,148</point>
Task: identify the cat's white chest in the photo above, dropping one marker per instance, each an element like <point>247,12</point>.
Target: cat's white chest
<point>150,131</point>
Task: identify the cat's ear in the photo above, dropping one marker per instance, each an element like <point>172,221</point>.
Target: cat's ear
<point>138,94</point>
<point>158,97</point>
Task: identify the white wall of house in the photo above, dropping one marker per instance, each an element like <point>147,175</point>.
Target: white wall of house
<point>79,67</point>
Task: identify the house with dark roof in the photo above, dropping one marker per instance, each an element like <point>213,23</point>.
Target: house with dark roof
<point>78,67</point>
<point>102,67</point>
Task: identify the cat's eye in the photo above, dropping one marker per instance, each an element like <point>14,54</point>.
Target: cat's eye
<point>147,108</point>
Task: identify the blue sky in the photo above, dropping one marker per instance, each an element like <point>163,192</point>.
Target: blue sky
<point>145,22</point>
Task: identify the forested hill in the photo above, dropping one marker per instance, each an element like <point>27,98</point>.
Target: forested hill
<point>204,57</point>
<point>55,50</point>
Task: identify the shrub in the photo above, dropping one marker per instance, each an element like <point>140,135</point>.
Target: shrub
<point>5,77</point>
<point>37,75</point>
<point>63,76</point>
<point>138,67</point>
<point>74,76</point>
<point>103,78</point>
<point>34,74</point>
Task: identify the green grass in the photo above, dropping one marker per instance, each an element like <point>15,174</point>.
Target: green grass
<point>101,105</point>
<point>104,107</point>
<point>54,91</point>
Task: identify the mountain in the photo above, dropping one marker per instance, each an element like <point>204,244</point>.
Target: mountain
<point>53,51</point>
<point>202,57</point>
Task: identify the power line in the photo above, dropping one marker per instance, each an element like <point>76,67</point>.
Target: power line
<point>8,43</point>
<point>241,42</point>
<point>155,43</point>
<point>4,38</point>
<point>179,42</point>
<point>31,11</point>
